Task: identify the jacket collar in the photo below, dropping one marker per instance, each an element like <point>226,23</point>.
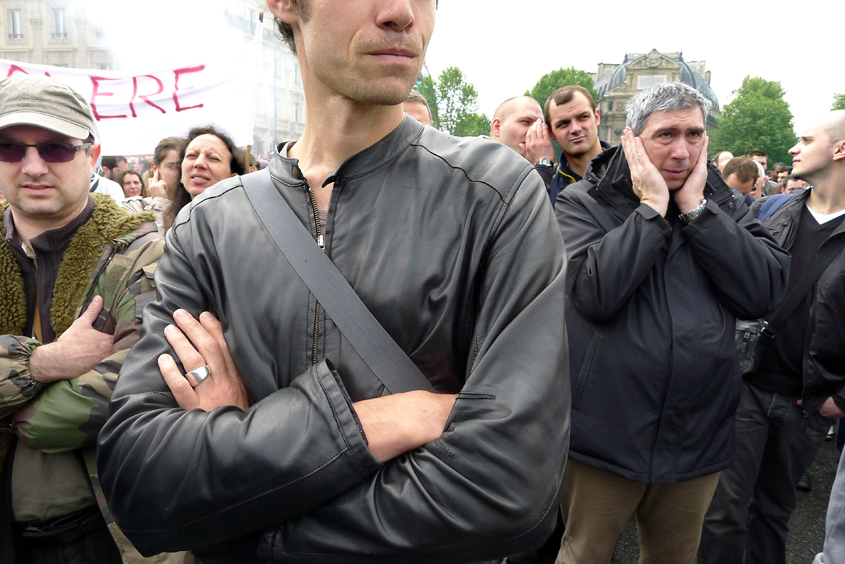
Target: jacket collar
<point>795,205</point>
<point>364,162</point>
<point>564,164</point>
<point>106,226</point>
<point>55,240</point>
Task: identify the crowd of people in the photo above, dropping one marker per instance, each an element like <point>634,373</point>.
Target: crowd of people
<point>645,330</point>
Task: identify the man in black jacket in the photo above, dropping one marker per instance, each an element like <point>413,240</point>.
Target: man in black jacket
<point>292,446</point>
<point>662,255</point>
<point>789,403</point>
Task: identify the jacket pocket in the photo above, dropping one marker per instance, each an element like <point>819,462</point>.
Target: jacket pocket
<point>586,369</point>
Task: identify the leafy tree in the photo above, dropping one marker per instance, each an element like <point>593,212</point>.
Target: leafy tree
<point>550,82</point>
<point>838,102</point>
<point>473,125</point>
<point>454,104</point>
<point>758,118</point>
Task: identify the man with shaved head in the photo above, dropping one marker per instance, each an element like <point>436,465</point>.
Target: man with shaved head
<point>789,402</point>
<point>512,120</point>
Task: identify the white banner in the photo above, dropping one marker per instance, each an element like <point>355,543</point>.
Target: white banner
<point>134,110</point>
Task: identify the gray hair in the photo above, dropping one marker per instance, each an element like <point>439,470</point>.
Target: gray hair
<point>666,97</point>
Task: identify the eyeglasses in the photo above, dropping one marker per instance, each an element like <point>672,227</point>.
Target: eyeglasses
<point>51,152</point>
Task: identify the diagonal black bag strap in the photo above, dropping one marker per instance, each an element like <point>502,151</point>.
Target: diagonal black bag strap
<point>828,251</point>
<point>363,331</point>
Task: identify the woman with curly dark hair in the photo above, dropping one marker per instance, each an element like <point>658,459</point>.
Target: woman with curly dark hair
<point>209,156</point>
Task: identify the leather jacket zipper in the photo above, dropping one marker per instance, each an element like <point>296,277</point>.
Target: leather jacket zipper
<point>322,243</point>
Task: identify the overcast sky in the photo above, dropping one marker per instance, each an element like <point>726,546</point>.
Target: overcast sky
<point>505,46</point>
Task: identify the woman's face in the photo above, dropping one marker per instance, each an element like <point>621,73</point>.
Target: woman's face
<point>207,162</point>
<point>131,185</point>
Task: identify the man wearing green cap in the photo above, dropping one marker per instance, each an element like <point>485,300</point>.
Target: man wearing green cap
<point>74,277</point>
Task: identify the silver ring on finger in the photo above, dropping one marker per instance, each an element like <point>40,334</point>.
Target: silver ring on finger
<point>199,374</point>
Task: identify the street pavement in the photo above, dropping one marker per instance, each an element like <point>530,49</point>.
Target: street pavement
<point>806,536</point>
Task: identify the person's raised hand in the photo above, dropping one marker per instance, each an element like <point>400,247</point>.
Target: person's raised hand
<point>197,344</point>
<point>537,143</point>
<point>690,195</point>
<point>77,351</point>
<point>649,185</point>
<point>158,187</point>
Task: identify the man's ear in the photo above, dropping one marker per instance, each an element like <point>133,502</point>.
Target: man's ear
<point>598,116</point>
<point>551,133</point>
<point>839,154</point>
<point>284,10</point>
<point>94,154</point>
<point>495,126</point>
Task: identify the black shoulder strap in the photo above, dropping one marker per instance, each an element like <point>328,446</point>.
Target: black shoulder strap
<point>366,335</point>
<point>828,251</point>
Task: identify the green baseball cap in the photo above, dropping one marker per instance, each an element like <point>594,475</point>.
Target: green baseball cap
<point>44,102</point>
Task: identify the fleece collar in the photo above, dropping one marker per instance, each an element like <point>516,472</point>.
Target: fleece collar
<point>109,225</point>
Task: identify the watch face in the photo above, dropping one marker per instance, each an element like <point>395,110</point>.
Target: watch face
<point>544,162</point>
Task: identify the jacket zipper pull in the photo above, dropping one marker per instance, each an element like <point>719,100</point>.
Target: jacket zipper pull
<point>321,242</point>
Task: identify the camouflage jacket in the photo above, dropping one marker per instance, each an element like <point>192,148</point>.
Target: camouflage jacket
<point>112,255</point>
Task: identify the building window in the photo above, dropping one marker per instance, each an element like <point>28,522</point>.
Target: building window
<point>15,24</point>
<point>296,112</point>
<point>609,106</point>
<point>103,66</point>
<point>59,27</point>
<point>297,78</point>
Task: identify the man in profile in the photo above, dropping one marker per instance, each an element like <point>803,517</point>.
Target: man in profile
<point>290,448</point>
<point>789,402</point>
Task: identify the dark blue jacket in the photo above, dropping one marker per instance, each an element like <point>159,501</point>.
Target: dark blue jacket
<point>650,313</point>
<point>563,176</point>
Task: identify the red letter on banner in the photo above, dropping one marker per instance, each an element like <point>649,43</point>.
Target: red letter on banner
<point>145,97</point>
<point>179,72</point>
<point>95,80</point>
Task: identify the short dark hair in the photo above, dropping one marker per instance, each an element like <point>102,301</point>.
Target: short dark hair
<point>564,96</point>
<point>110,161</point>
<point>744,168</point>
<point>758,153</point>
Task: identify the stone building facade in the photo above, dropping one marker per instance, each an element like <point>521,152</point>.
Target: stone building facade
<point>52,32</point>
<point>615,84</point>
<point>63,33</point>
<point>280,101</point>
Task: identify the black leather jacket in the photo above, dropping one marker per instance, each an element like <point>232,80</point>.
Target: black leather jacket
<point>824,347</point>
<point>651,308</point>
<point>452,245</point>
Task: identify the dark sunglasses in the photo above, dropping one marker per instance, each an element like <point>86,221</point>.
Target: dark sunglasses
<point>50,152</point>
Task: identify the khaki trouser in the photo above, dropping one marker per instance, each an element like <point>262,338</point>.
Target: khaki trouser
<point>597,505</point>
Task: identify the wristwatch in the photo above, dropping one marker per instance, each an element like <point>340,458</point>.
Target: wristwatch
<point>545,162</point>
<point>692,214</point>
